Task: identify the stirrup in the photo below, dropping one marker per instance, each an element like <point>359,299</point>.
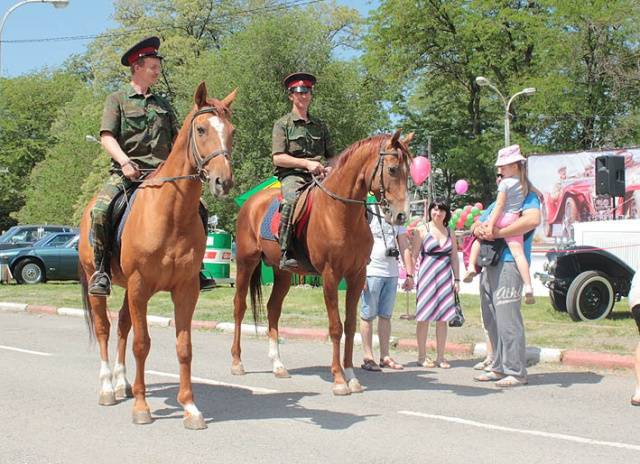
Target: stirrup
<point>100,284</point>
<point>287,263</point>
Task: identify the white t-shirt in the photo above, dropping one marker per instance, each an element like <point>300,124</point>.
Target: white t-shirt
<point>382,265</point>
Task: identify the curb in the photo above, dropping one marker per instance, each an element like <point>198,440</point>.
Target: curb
<point>534,354</point>
<point>593,359</point>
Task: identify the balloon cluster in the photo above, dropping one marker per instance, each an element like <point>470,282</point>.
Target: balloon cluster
<point>463,218</point>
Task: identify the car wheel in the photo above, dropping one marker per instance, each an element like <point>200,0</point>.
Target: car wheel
<point>558,301</point>
<point>29,272</point>
<point>590,296</point>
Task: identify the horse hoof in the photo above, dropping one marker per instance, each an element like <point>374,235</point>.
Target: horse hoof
<point>237,369</point>
<point>194,422</point>
<point>355,386</point>
<point>124,392</point>
<point>281,373</point>
<point>142,417</point>
<point>341,389</point>
<point>107,399</point>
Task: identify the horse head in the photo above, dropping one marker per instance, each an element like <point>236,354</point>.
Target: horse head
<point>210,139</point>
<point>389,178</point>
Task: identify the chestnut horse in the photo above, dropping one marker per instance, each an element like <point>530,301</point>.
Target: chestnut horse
<point>162,247</point>
<point>338,242</point>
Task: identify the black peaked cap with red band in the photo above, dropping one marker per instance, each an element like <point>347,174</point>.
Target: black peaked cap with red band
<point>146,47</point>
<point>299,81</point>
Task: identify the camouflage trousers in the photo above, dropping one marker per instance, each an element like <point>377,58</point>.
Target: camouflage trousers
<point>290,188</point>
<point>100,219</point>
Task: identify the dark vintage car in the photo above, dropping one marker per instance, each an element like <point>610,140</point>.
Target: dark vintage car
<point>26,235</point>
<point>55,257</point>
<point>585,281</point>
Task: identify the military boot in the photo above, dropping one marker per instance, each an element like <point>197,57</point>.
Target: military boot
<point>286,260</point>
<point>100,282</point>
<point>206,283</point>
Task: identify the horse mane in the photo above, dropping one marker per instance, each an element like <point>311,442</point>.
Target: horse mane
<point>377,139</point>
<point>347,152</point>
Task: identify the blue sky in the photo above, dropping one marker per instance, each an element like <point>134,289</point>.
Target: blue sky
<point>79,18</point>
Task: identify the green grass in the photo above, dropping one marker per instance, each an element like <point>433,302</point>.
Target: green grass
<point>304,307</point>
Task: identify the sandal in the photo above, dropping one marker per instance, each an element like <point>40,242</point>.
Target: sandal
<point>468,277</point>
<point>390,363</point>
<point>443,364</point>
<point>428,363</point>
<point>510,381</point>
<point>482,364</point>
<point>488,377</point>
<point>370,365</point>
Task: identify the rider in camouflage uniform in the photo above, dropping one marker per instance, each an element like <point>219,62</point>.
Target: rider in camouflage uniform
<point>137,130</point>
<point>300,142</point>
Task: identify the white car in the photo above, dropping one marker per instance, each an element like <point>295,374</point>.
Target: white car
<point>634,293</point>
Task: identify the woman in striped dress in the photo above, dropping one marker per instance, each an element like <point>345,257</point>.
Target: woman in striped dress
<point>437,281</point>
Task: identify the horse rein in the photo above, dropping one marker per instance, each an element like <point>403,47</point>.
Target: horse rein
<point>379,168</point>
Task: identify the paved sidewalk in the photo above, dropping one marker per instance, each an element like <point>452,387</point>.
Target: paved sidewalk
<point>534,354</point>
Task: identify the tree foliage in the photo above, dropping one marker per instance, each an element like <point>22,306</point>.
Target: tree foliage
<point>28,107</point>
<point>55,184</point>
<point>580,55</point>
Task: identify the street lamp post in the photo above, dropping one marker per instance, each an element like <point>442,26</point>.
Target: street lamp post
<point>483,81</point>
<point>55,3</point>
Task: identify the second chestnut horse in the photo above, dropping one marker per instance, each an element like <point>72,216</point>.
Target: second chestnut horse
<point>338,242</point>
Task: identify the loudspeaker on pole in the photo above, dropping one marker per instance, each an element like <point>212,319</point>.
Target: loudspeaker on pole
<point>610,178</point>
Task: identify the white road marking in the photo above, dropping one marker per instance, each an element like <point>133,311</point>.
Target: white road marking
<point>20,350</point>
<point>557,436</point>
<point>257,390</point>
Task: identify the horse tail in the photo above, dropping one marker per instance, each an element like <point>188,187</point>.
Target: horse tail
<point>255,290</point>
<point>86,303</point>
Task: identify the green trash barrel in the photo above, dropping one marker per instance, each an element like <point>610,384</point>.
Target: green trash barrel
<point>217,256</point>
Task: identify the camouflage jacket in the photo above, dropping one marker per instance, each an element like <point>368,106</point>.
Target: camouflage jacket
<point>144,126</point>
<point>302,139</point>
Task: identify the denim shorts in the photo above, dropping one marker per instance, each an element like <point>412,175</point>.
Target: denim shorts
<point>378,298</point>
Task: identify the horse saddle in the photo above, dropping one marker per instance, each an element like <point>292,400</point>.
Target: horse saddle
<point>300,220</point>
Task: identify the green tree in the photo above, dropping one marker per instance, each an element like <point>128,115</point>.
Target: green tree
<point>55,183</point>
<point>255,60</point>
<point>427,55</point>
<point>28,107</point>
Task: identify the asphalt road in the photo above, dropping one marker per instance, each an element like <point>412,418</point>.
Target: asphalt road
<point>49,411</point>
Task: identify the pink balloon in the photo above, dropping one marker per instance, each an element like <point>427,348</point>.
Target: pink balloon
<point>479,206</point>
<point>461,186</point>
<point>420,169</point>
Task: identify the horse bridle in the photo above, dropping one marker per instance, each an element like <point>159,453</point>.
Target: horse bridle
<point>379,168</point>
<point>198,161</point>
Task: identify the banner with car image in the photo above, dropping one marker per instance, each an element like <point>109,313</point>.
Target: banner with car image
<point>567,183</point>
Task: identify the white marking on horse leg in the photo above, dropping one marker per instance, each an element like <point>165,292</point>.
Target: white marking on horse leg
<point>218,125</point>
<point>119,375</point>
<point>105,377</point>
<point>274,355</point>
<point>192,409</point>
<point>349,374</point>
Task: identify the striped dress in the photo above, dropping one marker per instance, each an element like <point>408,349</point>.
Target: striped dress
<point>435,294</point>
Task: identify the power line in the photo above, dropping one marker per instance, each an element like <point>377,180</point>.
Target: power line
<point>285,6</point>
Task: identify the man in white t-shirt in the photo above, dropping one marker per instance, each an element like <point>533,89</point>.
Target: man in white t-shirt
<point>379,294</point>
